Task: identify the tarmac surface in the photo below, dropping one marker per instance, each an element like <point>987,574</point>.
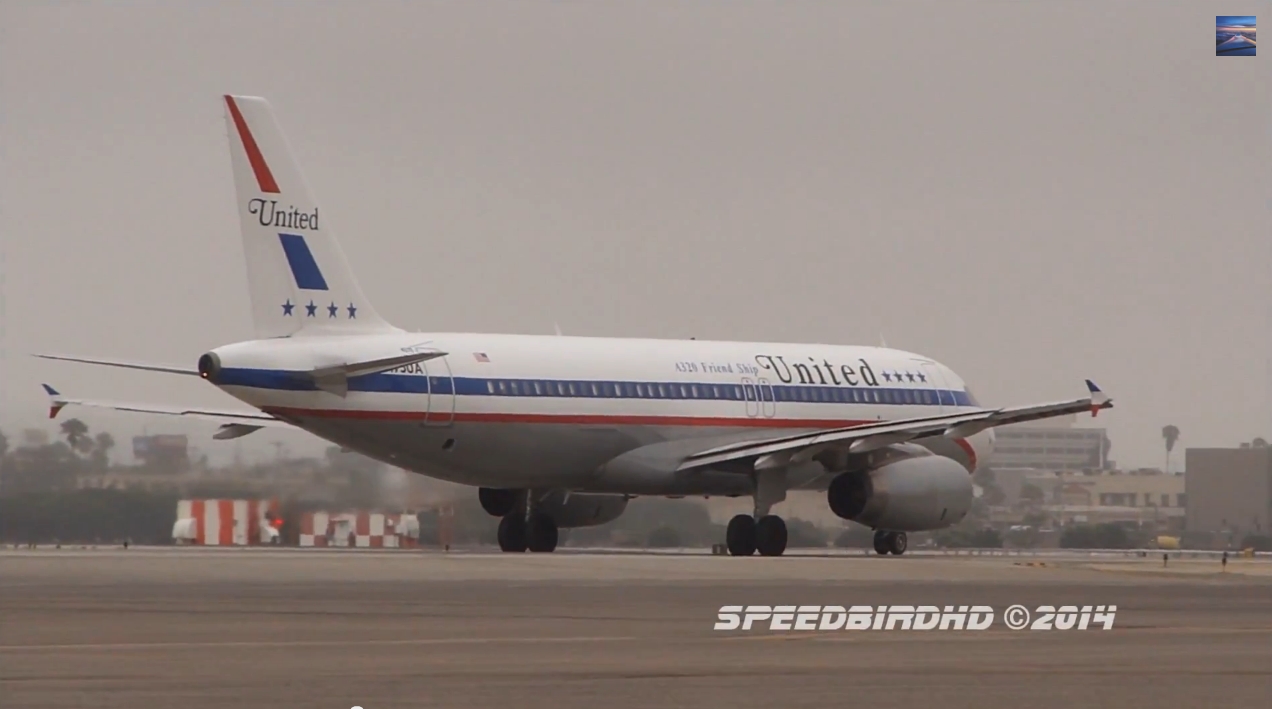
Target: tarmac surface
<point>299,628</point>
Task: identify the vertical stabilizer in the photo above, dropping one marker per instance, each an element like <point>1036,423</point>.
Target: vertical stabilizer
<point>299,279</point>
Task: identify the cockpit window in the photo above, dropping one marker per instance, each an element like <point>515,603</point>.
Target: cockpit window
<point>971,398</point>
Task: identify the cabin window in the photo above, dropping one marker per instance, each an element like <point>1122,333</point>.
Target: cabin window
<point>514,387</point>
<point>570,388</point>
<point>595,390</point>
<point>490,387</point>
<point>693,391</point>
<point>715,392</point>
<point>503,387</point>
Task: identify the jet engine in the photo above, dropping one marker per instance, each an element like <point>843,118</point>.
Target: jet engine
<point>497,502</point>
<point>581,509</point>
<point>907,495</point>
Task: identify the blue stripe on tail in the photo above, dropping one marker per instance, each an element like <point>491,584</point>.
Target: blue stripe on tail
<point>303,266</point>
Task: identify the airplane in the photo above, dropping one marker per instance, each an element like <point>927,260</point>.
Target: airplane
<point>559,431</point>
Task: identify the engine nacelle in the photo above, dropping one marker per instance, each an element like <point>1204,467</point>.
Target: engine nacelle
<point>581,509</point>
<point>907,495</point>
<point>497,502</point>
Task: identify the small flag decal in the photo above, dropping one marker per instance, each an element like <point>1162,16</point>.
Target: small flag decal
<point>481,357</point>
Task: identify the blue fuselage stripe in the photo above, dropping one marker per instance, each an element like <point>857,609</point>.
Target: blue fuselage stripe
<point>604,389</point>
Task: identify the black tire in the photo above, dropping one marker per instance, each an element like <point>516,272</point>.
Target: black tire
<point>898,543</point>
<point>882,543</point>
<point>541,534</point>
<point>770,536</point>
<point>739,536</point>
<point>512,534</point>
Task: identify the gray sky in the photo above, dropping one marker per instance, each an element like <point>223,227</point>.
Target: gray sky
<point>1030,192</point>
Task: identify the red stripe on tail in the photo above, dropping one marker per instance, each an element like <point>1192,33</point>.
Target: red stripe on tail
<point>264,177</point>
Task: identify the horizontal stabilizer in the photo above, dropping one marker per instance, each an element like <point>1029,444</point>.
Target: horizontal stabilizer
<point>191,371</point>
<point>335,379</point>
<point>247,418</point>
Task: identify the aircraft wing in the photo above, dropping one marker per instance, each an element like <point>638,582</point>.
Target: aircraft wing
<point>233,423</point>
<point>335,379</point>
<point>872,436</point>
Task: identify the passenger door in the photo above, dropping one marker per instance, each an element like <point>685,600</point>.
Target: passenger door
<point>750,394</point>
<point>439,407</point>
<point>768,403</point>
<point>942,398</point>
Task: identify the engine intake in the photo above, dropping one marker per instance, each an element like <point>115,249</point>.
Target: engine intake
<point>908,495</point>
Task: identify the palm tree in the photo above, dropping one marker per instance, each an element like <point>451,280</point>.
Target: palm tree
<point>102,444</point>
<point>1171,434</point>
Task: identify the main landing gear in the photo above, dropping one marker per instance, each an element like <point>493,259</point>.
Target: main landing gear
<point>520,526</point>
<point>537,533</point>
<point>762,532</point>
<point>890,543</point>
<point>745,535</point>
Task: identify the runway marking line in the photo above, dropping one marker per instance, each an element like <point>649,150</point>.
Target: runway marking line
<point>309,643</point>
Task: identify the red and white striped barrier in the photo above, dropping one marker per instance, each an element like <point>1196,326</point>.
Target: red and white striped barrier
<point>372,530</point>
<point>226,522</point>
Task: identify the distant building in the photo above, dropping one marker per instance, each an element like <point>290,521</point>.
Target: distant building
<point>1055,444</point>
<point>1229,489</point>
<point>1124,496</point>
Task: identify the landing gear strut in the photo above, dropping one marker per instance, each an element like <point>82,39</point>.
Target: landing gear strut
<point>745,535</point>
<point>890,543</point>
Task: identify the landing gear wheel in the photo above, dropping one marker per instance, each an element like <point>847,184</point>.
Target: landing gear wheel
<point>770,536</point>
<point>881,543</point>
<point>541,533</point>
<point>512,533</point>
<point>894,543</point>
<point>739,536</point>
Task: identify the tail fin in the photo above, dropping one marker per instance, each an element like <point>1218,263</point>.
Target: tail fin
<point>299,280</point>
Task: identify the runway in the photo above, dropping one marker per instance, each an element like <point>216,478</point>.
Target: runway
<point>190,628</point>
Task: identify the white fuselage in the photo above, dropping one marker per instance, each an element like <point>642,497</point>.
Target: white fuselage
<point>522,411</point>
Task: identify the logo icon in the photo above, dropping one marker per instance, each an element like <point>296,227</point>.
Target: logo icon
<point>1234,36</point>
